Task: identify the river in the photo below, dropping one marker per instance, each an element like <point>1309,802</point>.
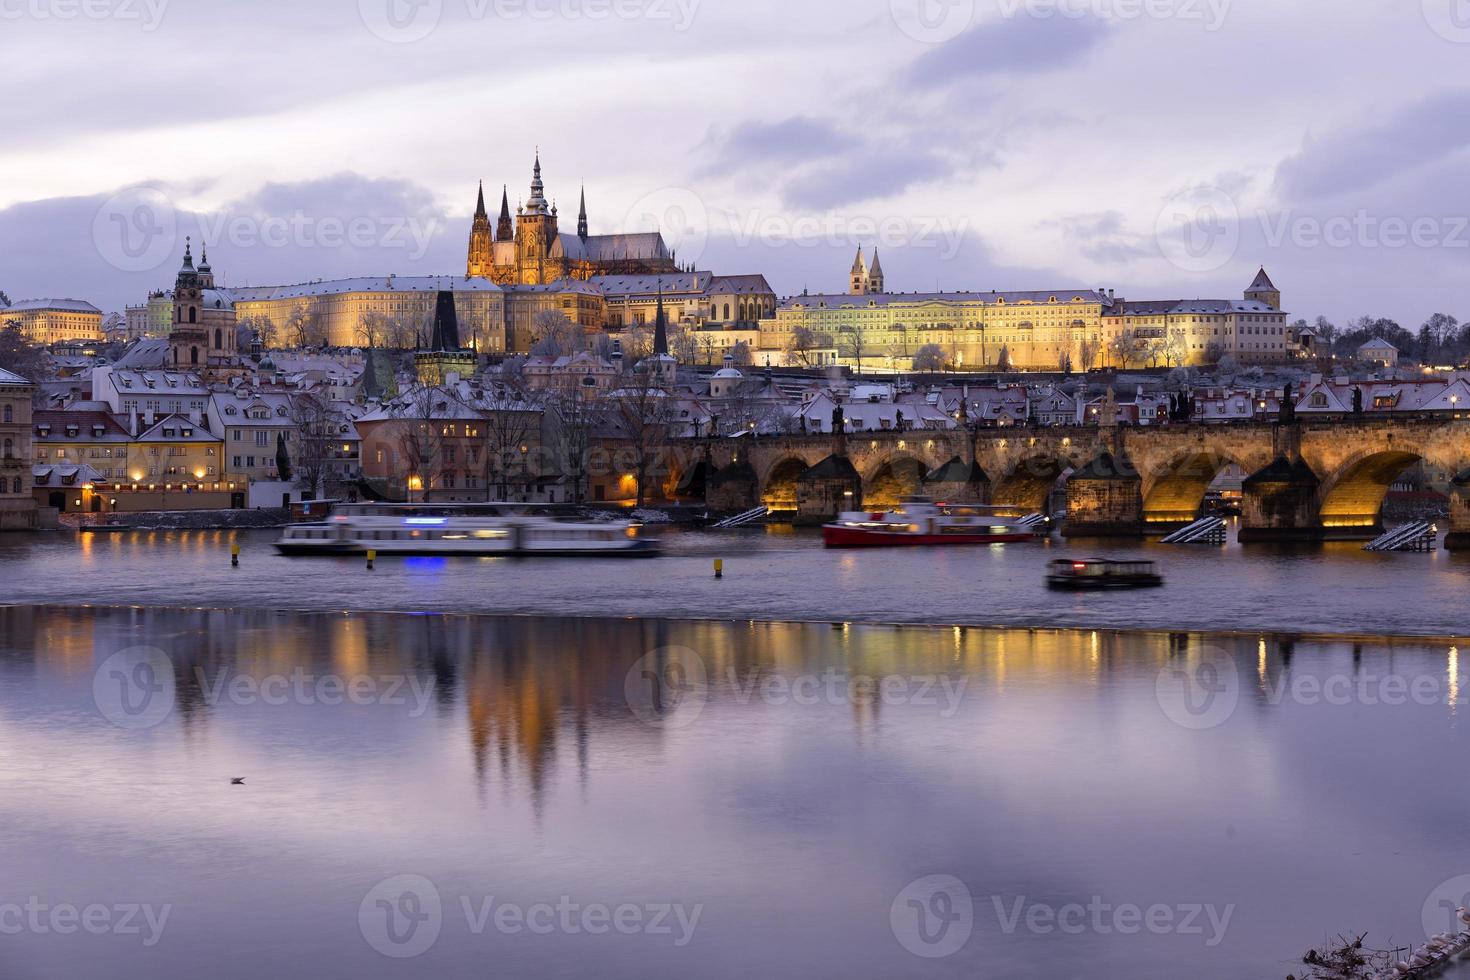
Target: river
<point>774,575</point>
<point>670,784</point>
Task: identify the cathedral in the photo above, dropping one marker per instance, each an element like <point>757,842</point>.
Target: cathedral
<point>532,250</point>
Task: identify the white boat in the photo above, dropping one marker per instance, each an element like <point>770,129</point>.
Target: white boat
<point>919,522</point>
<point>506,530</point>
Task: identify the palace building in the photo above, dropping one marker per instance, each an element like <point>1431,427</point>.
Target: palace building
<point>533,251</point>
<point>1043,330</point>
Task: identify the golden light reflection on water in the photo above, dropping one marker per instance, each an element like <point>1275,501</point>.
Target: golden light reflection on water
<point>1453,669</point>
<point>530,701</point>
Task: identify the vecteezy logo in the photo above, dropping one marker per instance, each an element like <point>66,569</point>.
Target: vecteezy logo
<point>401,916</point>
<point>1450,19</point>
<point>1441,908</point>
<point>933,917</point>
<point>135,230</point>
<point>1199,231</point>
<point>134,688</point>
<point>679,214</point>
<point>400,21</point>
<point>933,21</point>
<point>667,688</point>
<point>1200,693</point>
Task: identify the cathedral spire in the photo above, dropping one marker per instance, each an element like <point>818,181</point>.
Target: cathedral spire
<point>505,230</point>
<point>480,204</point>
<point>537,203</point>
<point>660,325</point>
<point>188,265</point>
<point>582,217</point>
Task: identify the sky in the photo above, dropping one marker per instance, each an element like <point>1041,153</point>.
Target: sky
<point>1160,148</point>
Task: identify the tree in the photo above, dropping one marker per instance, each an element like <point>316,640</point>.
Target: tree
<point>283,459</point>
<point>804,343</point>
<point>1437,332</point>
<point>1124,347</point>
<point>645,411</point>
<point>303,327</point>
<point>1087,352</point>
<point>929,358</point>
<point>318,428</point>
<point>853,345</point>
<point>372,329</point>
<point>4,299</point>
<point>19,356</point>
<point>1003,361</point>
<point>421,435</point>
<point>741,354</point>
<point>1326,330</point>
<point>555,335</point>
<point>684,345</point>
<point>510,422</point>
<point>1064,363</point>
<point>1214,352</point>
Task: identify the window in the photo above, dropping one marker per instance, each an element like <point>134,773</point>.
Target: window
<point>9,414</point>
<point>261,438</point>
<point>9,448</point>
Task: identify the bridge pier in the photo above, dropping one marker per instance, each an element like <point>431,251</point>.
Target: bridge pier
<point>1281,503</point>
<point>734,488</point>
<point>826,490</point>
<point>1459,537</point>
<point>1105,500</point>
<point>958,482</point>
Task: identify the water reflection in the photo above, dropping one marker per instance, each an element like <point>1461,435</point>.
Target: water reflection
<point>793,779</point>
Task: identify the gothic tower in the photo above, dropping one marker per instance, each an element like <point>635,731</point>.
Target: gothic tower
<point>582,217</point>
<point>535,233</point>
<point>875,275</point>
<point>505,231</point>
<point>858,285</point>
<point>481,260</point>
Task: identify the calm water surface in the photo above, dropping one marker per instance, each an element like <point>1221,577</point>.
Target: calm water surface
<point>1337,588</point>
<point>526,760</point>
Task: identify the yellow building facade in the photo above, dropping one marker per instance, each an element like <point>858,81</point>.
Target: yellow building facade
<point>50,321</point>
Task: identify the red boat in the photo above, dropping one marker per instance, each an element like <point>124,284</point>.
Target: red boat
<point>920,522</point>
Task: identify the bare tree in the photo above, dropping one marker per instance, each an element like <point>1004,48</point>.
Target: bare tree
<point>1087,352</point>
<point>555,335</point>
<point>372,328</point>
<point>645,411</point>
<point>742,355</point>
<point>264,328</point>
<point>853,344</point>
<point>929,358</point>
<point>511,421</point>
<point>804,343</point>
<point>304,328</point>
<point>318,427</point>
<point>423,417</point>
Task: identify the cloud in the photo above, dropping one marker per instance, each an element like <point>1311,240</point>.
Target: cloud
<point>1015,45</point>
<point>798,138</point>
<point>100,249</point>
<point>1359,157</point>
<point>871,173</point>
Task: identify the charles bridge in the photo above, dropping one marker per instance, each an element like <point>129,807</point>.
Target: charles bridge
<point>1304,479</point>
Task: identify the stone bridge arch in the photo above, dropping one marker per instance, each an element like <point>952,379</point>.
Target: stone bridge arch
<point>778,481</point>
<point>1352,495</point>
<point>1358,462</point>
<point>887,481</point>
<point>1174,493</point>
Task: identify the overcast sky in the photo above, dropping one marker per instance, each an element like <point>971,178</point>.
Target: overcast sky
<point>1163,148</point>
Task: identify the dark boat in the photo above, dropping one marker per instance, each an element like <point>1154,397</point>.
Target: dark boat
<point>1097,573</point>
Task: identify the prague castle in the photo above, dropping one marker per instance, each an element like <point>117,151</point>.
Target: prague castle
<point>532,250</point>
<point>524,268</point>
<point>1035,329</point>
